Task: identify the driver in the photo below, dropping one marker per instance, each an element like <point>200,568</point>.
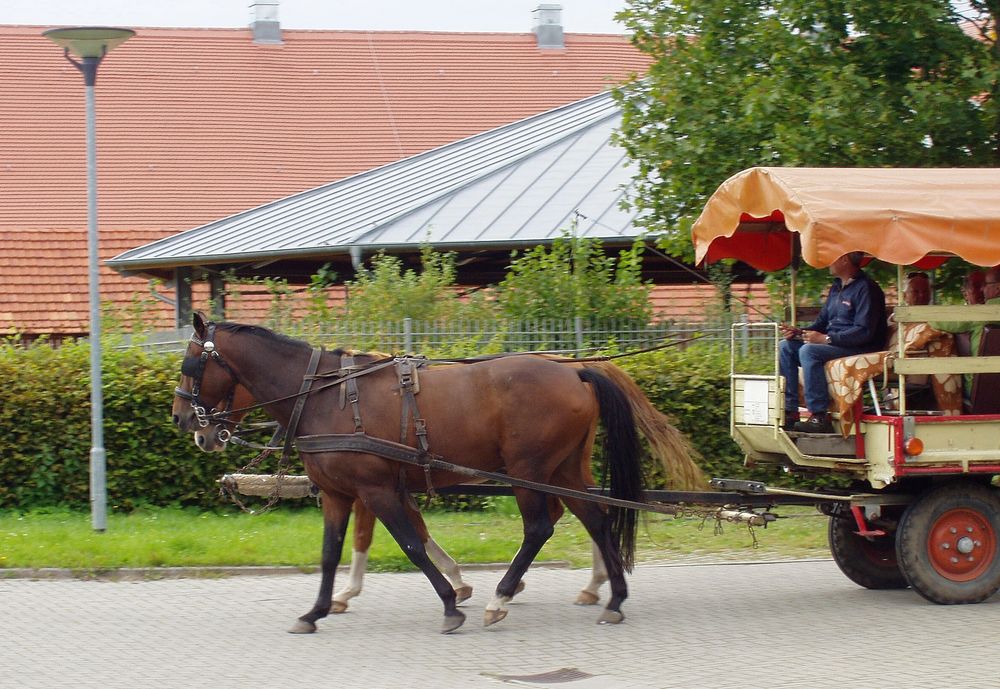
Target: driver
<point>852,321</point>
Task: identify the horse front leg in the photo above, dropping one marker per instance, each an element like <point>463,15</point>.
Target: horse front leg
<point>441,559</point>
<point>336,514</point>
<point>449,567</point>
<point>364,526</point>
<point>538,528</point>
<point>391,510</point>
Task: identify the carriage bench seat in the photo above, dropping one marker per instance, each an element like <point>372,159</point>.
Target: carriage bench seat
<point>984,397</point>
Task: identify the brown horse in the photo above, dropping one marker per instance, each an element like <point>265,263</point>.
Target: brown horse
<point>531,417</point>
<point>667,445</point>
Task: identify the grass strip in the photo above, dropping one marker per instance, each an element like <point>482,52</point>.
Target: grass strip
<point>173,537</point>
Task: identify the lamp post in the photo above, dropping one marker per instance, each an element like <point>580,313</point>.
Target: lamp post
<point>90,44</point>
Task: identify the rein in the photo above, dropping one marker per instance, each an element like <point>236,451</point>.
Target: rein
<point>343,375</point>
<point>348,373</point>
<point>352,372</point>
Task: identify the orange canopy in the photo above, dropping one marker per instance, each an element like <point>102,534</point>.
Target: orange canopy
<point>901,216</point>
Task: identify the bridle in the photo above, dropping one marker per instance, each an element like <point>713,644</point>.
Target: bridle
<point>195,369</point>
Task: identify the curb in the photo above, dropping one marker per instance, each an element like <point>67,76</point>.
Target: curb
<point>155,573</point>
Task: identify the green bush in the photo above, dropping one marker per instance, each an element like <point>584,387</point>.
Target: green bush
<point>45,426</point>
<point>691,386</point>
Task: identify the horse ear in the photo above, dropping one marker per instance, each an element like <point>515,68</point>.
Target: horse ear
<point>198,321</point>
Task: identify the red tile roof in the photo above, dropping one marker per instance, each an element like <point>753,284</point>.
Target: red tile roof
<point>197,124</point>
<point>696,303</point>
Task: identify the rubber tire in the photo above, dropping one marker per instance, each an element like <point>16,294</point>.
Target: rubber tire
<point>923,532</point>
<point>868,563</point>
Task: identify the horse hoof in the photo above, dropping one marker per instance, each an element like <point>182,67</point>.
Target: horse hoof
<point>493,616</point>
<point>462,594</point>
<point>610,617</point>
<point>337,607</point>
<point>302,627</point>
<point>452,622</point>
<point>586,598</point>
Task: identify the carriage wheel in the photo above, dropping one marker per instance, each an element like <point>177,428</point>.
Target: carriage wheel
<point>948,544</point>
<point>868,562</point>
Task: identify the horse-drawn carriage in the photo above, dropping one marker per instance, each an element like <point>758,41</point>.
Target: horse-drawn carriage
<point>924,512</point>
<point>929,516</point>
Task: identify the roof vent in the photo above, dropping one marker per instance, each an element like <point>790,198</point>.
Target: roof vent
<point>264,21</point>
<point>548,28</point>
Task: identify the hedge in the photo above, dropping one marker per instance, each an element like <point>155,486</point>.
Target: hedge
<point>45,424</point>
<point>45,431</point>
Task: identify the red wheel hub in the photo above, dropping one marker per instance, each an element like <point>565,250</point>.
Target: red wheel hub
<point>962,544</point>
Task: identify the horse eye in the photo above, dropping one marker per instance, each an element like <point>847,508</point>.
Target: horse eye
<point>189,367</point>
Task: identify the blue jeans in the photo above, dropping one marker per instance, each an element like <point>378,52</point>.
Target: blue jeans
<point>811,357</point>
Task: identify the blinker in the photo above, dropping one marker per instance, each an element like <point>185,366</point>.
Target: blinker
<point>189,367</point>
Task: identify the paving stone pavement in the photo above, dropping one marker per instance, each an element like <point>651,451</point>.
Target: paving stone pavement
<point>777,625</point>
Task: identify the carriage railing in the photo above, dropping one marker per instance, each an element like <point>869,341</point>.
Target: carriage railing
<point>904,366</point>
<point>755,386</point>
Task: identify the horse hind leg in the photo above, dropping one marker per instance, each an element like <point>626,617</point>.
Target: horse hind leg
<point>336,513</point>
<point>538,528</point>
<point>598,525</point>
<point>590,594</point>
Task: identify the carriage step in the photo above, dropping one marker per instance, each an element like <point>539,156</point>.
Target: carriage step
<point>825,444</point>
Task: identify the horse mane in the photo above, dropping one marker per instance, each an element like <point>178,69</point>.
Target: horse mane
<point>261,331</point>
<point>267,333</point>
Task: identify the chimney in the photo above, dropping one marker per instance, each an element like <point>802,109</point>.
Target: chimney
<point>264,21</point>
<point>548,26</point>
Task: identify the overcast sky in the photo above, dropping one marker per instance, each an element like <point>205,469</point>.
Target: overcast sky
<point>579,16</point>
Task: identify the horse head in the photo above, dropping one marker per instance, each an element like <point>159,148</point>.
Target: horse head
<point>216,435</point>
<point>207,381</point>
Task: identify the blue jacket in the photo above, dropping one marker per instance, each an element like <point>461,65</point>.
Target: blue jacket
<point>854,316</point>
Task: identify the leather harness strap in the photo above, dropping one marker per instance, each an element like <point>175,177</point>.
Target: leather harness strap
<point>300,402</point>
<point>409,386</point>
<point>349,391</point>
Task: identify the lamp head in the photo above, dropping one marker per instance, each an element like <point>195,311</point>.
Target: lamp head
<point>89,41</point>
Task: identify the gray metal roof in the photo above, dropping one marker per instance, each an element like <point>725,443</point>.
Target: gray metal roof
<point>519,184</point>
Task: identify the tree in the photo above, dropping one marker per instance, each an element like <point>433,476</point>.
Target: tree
<point>740,83</point>
<point>574,277</point>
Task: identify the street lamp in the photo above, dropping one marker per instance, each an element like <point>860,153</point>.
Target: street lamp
<point>91,44</point>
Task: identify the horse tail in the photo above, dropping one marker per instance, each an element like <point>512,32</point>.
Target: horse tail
<point>621,452</point>
<point>674,450</point>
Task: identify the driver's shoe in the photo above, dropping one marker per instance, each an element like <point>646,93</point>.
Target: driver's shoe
<point>817,423</point>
